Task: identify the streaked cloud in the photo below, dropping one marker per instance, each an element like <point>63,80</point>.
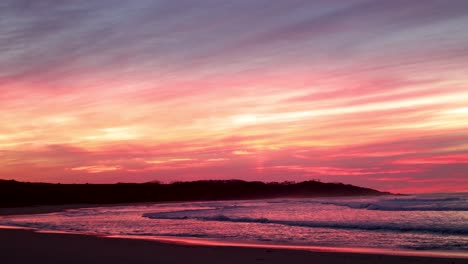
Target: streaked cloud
<point>366,92</point>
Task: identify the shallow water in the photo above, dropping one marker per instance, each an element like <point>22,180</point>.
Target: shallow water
<point>436,222</point>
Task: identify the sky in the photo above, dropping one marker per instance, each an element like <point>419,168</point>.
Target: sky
<point>371,93</point>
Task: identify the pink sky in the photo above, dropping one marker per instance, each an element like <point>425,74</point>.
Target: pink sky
<point>367,93</point>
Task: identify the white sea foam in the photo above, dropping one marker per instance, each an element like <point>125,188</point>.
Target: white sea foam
<point>393,227</point>
<point>421,203</point>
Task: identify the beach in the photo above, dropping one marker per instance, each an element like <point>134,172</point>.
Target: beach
<point>24,246</point>
<point>27,246</point>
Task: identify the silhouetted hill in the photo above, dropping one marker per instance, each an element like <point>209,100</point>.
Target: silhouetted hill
<point>15,194</point>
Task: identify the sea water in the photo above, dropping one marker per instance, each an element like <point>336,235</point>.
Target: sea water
<point>429,222</point>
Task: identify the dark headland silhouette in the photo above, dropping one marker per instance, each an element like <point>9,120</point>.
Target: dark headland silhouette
<point>17,194</point>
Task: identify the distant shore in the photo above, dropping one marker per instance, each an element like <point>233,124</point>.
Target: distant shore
<point>18,194</point>
<point>27,246</point>
<point>45,209</point>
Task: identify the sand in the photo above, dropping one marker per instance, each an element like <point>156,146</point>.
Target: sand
<point>26,246</point>
<point>44,209</point>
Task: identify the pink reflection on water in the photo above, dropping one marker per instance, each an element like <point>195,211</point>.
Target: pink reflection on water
<point>302,224</point>
<point>219,243</point>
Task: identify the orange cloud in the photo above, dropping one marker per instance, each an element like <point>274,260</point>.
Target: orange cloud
<point>183,101</point>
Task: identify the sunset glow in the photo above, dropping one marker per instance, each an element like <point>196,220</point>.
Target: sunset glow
<point>371,93</point>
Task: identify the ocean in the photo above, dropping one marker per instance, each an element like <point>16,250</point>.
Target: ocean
<point>416,223</point>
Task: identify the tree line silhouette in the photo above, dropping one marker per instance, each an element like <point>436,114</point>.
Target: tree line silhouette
<point>16,194</point>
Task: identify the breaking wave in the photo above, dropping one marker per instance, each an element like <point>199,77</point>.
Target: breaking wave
<point>316,224</point>
<point>406,204</point>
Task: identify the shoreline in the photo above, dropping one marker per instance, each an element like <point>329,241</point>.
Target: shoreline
<point>27,246</point>
<point>47,209</point>
<point>241,244</point>
<point>202,243</point>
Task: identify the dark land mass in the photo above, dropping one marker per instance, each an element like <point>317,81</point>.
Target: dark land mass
<point>18,194</point>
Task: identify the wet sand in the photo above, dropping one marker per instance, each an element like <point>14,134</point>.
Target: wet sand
<point>25,246</point>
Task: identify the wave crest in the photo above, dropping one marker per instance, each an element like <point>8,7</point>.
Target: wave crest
<point>315,224</point>
<point>406,204</point>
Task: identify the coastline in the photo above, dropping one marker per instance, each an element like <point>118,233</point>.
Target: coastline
<point>46,209</point>
<point>27,246</point>
<point>25,239</point>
